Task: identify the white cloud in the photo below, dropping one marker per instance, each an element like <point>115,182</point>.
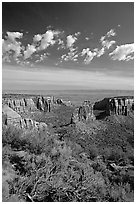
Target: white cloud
<point>77,34</point>
<point>87,38</point>
<point>70,56</point>
<point>48,39</point>
<point>89,55</point>
<point>10,46</point>
<point>13,35</point>
<point>61,44</point>
<point>100,52</point>
<point>71,40</point>
<point>111,33</point>
<point>102,38</point>
<point>123,52</point>
<point>107,44</point>
<point>37,38</point>
<point>29,51</point>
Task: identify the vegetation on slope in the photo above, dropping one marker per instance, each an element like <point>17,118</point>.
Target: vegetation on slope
<point>67,163</point>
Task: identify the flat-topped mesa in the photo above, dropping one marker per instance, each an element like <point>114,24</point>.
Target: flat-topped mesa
<point>32,104</point>
<point>20,105</point>
<point>84,113</point>
<point>11,117</point>
<point>122,105</point>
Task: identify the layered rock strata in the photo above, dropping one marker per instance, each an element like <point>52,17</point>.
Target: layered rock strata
<point>116,105</point>
<point>11,117</point>
<point>32,104</point>
<point>83,113</point>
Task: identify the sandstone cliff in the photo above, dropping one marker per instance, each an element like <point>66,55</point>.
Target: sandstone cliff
<point>107,106</point>
<point>116,105</point>
<point>83,113</point>
<point>35,103</point>
<point>11,117</point>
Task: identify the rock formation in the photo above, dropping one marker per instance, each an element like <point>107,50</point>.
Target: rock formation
<point>11,117</point>
<point>83,113</point>
<point>108,106</point>
<point>20,105</point>
<point>116,105</point>
<point>32,104</point>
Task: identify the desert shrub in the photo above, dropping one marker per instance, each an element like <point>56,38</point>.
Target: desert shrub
<point>11,136</point>
<point>38,142</point>
<point>62,178</point>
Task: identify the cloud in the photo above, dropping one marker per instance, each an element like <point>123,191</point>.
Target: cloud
<point>107,44</point>
<point>71,40</point>
<point>42,57</point>
<point>29,51</point>
<point>61,44</point>
<point>111,33</point>
<point>123,52</point>
<point>13,35</point>
<point>89,55</point>
<point>72,55</point>
<point>10,45</point>
<point>100,52</point>
<point>87,38</point>
<point>48,39</point>
<point>37,38</point>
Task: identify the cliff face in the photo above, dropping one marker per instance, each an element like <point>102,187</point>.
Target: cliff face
<point>83,113</point>
<point>18,111</point>
<point>108,106</point>
<point>116,105</point>
<point>32,104</point>
<point>11,117</point>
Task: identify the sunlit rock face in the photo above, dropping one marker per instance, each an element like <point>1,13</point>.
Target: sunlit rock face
<point>32,104</point>
<point>21,105</point>
<point>11,117</point>
<point>107,106</point>
<point>17,111</point>
<point>116,105</point>
<point>84,113</point>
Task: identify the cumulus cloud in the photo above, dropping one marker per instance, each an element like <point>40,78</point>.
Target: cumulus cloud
<point>37,38</point>
<point>123,52</point>
<point>61,44</point>
<point>89,55</point>
<point>10,45</point>
<point>87,38</point>
<point>72,55</point>
<point>13,35</point>
<point>71,40</point>
<point>100,52</point>
<point>107,44</point>
<point>111,33</point>
<point>29,51</point>
<point>48,39</point>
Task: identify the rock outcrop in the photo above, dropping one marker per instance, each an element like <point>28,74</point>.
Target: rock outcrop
<point>11,117</point>
<point>107,106</point>
<point>83,113</point>
<point>41,103</point>
<point>116,105</point>
<point>20,105</point>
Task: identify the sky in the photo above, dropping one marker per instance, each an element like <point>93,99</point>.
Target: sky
<point>71,45</point>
